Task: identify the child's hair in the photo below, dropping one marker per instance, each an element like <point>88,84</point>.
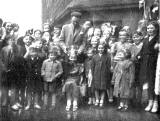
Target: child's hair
<point>37,30</point>
<point>54,52</point>
<point>138,33</point>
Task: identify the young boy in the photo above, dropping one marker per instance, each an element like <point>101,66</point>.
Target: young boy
<point>51,71</point>
<point>34,80</point>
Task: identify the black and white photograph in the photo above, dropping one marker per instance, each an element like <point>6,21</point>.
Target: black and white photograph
<point>79,60</point>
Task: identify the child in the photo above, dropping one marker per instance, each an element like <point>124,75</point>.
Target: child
<point>136,48</point>
<point>123,78</point>
<point>34,80</point>
<point>87,66</point>
<point>100,67</point>
<point>51,71</point>
<point>73,78</point>
<point>94,44</point>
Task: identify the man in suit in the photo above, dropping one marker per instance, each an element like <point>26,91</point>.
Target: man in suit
<point>72,34</point>
<point>13,61</point>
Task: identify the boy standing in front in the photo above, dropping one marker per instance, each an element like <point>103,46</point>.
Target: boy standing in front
<point>51,71</point>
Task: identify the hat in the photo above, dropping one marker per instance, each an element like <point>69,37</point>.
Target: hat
<point>76,13</point>
<point>58,26</point>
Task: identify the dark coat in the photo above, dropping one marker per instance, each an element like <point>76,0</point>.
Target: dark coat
<point>100,67</point>
<point>34,79</point>
<point>2,70</point>
<point>14,64</point>
<point>148,61</point>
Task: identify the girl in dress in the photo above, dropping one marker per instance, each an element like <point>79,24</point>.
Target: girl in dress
<point>123,79</point>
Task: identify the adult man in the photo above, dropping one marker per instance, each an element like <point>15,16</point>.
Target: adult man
<point>71,34</point>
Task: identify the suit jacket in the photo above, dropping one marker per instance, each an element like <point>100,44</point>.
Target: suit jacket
<point>68,37</point>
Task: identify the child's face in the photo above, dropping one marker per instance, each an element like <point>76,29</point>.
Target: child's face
<point>57,31</point>
<point>11,41</point>
<point>46,27</point>
<point>136,38</point>
<point>39,44</point>
<point>8,27</point>
<point>27,40</point>
<point>100,49</point>
<point>97,32</point>
<point>151,30</point>
<point>37,34</point>
<point>46,36</point>
<point>122,38</point>
<point>52,56</point>
<point>90,54</point>
<point>94,42</point>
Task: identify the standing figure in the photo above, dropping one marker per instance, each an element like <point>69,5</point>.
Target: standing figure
<point>148,62</point>
<point>71,34</point>
<point>100,68</point>
<point>12,58</point>
<point>73,78</point>
<point>51,71</point>
<point>123,79</point>
<point>136,48</point>
<point>88,76</point>
<point>34,79</point>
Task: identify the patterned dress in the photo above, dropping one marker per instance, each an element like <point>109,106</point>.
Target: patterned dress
<point>123,79</point>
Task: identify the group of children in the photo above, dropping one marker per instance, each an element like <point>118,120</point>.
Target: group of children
<point>109,69</point>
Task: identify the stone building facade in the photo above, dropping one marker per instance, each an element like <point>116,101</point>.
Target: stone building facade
<point>122,12</point>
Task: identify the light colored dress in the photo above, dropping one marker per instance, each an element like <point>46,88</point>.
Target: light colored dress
<point>157,81</point>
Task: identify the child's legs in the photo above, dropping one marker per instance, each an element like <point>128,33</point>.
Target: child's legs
<point>126,102</point>
<point>69,94</point>
<point>75,94</point>
<point>97,95</point>
<point>122,102</point>
<point>38,87</point>
<point>46,94</point>
<point>102,95</point>
<point>52,90</point>
<point>111,92</point>
<point>29,96</point>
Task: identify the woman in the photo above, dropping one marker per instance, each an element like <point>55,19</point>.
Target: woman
<point>148,61</point>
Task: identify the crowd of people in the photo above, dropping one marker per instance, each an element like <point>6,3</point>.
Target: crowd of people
<point>98,62</point>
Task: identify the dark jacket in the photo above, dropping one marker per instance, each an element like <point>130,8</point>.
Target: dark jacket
<point>148,61</point>
<point>14,63</point>
<point>100,67</point>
